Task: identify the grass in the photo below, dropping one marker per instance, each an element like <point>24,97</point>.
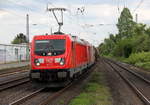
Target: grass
<point>145,65</point>
<point>138,57</point>
<point>61,102</point>
<point>95,92</point>
<point>141,59</point>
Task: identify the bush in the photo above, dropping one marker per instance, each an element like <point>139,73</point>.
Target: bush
<point>139,58</point>
<point>141,43</point>
<point>145,65</point>
<point>123,48</point>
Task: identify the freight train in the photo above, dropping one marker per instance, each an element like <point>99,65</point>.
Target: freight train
<point>58,58</point>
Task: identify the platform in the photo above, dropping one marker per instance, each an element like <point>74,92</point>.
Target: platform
<point>13,65</point>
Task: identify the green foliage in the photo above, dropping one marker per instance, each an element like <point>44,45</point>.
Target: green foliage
<point>139,57</point>
<point>141,43</point>
<point>20,38</point>
<point>108,45</point>
<point>139,29</point>
<point>125,24</point>
<point>129,40</point>
<point>123,48</point>
<point>94,93</point>
<point>148,31</point>
<point>132,40</point>
<point>82,99</point>
<point>145,65</point>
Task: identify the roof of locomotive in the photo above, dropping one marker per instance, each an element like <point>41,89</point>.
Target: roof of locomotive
<point>40,37</point>
<point>62,36</point>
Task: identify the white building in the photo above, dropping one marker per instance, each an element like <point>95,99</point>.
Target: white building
<point>13,52</point>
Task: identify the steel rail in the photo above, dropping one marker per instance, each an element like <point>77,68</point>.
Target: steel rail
<point>131,71</point>
<point>29,96</point>
<point>12,80</point>
<point>13,83</point>
<point>138,92</point>
<point>57,94</point>
<point>51,97</point>
<point>13,72</point>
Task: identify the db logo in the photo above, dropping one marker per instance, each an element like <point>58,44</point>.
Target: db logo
<point>50,60</point>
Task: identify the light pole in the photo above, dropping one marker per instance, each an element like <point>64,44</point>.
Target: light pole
<point>27,35</point>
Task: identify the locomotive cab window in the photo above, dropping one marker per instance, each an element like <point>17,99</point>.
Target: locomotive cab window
<point>52,47</point>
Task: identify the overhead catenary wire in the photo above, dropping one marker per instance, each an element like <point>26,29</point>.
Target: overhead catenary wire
<point>85,29</point>
<point>126,3</point>
<point>82,11</point>
<point>78,19</point>
<point>138,6</point>
<point>118,6</point>
<point>70,16</point>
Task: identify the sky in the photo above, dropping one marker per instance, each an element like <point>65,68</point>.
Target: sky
<point>94,24</point>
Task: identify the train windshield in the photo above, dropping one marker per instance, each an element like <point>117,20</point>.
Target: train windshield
<point>52,47</point>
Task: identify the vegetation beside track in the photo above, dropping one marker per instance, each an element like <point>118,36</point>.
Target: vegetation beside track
<point>138,59</point>
<point>95,92</point>
<point>131,44</point>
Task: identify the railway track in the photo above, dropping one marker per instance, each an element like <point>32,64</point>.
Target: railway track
<point>30,97</point>
<point>9,84</point>
<point>13,78</point>
<point>27,97</point>
<point>38,92</point>
<point>137,82</point>
<point>12,73</point>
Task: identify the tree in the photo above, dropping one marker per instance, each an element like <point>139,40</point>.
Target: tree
<point>20,38</point>
<point>148,31</point>
<point>125,24</point>
<point>123,48</point>
<point>112,37</point>
<point>140,29</point>
<point>132,38</point>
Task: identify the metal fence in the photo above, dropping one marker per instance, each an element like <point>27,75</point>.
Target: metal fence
<point>13,53</point>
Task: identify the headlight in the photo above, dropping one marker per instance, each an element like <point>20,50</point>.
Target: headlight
<point>36,61</point>
<point>37,64</point>
<point>62,61</point>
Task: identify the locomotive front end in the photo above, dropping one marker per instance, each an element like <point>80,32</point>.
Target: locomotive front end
<point>49,58</point>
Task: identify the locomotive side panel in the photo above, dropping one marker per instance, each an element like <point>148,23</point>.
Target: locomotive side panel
<point>81,55</point>
<point>92,55</point>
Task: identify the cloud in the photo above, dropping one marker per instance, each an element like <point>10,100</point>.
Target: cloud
<point>13,18</point>
<point>143,11</point>
<point>3,13</point>
<point>72,24</point>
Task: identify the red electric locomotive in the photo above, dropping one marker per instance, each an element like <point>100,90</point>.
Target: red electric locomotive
<point>59,58</point>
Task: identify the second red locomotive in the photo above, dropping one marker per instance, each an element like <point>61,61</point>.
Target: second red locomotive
<point>59,57</point>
